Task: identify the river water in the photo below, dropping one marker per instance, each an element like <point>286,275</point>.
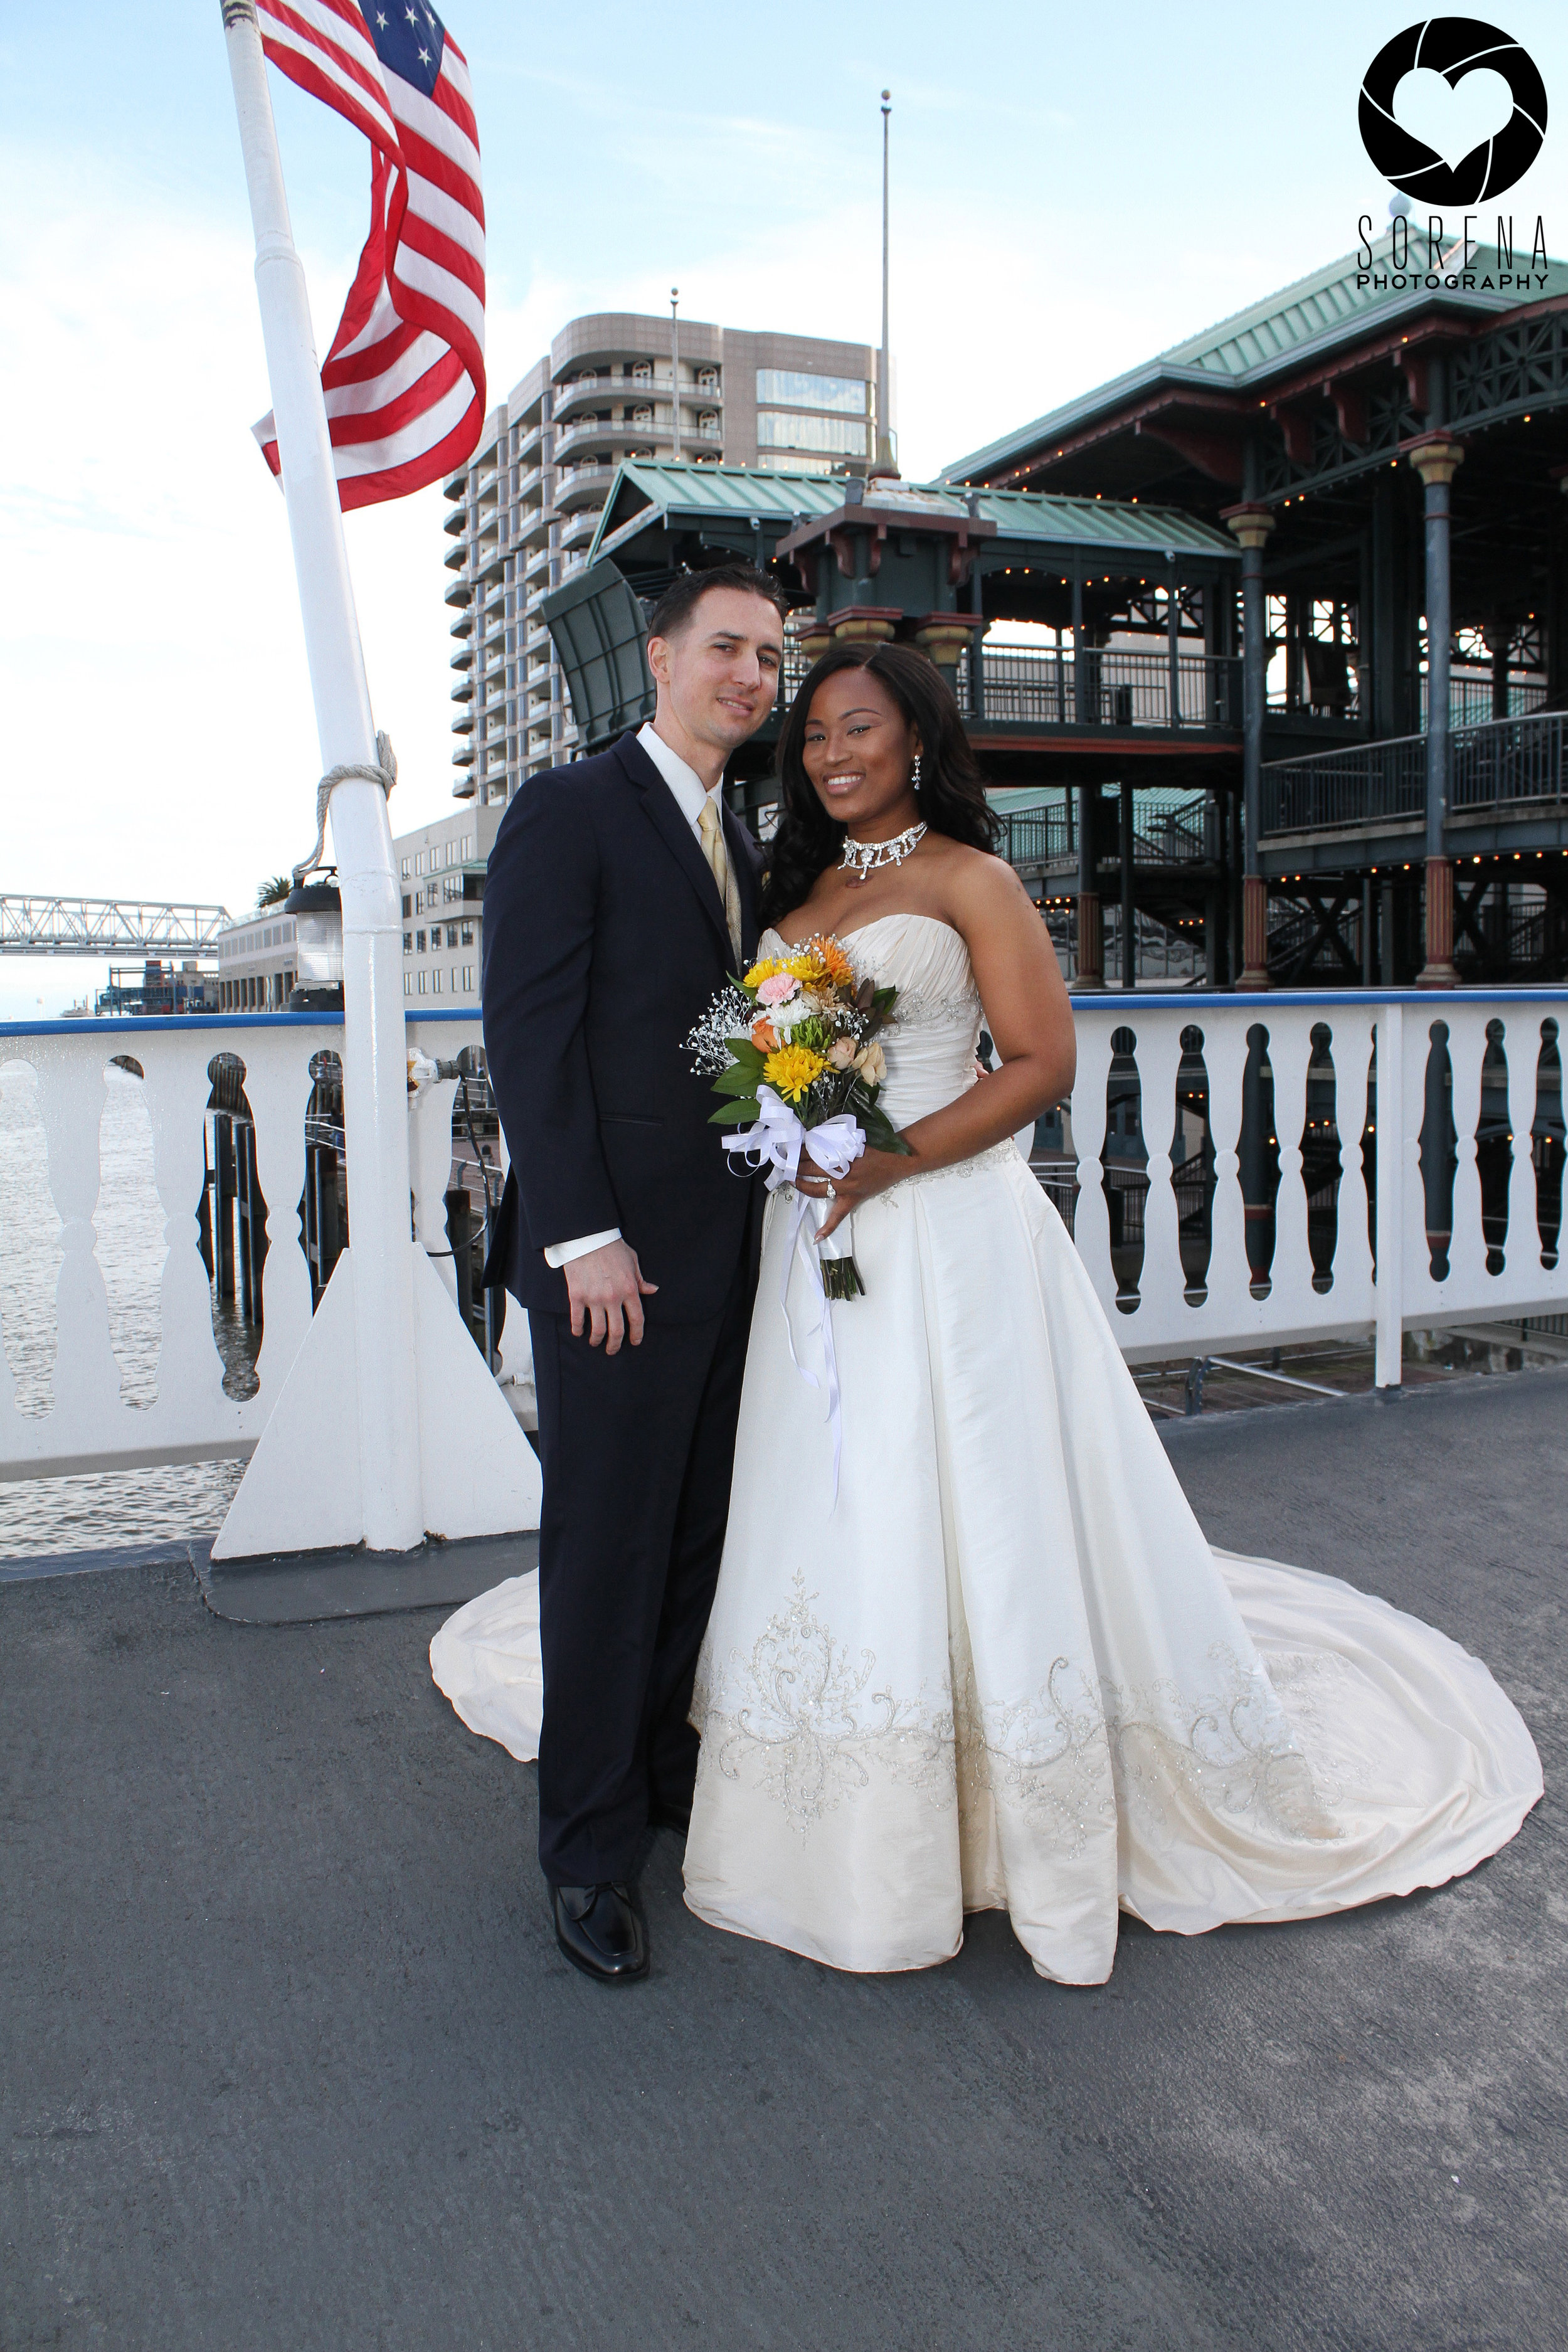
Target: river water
<point>111,1507</point>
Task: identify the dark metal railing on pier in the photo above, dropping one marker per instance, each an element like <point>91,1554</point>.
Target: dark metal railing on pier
<point>1117,688</point>
<point>1177,835</point>
<point>1112,688</point>
<point>1504,764</point>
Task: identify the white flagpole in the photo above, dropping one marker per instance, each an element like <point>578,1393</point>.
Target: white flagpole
<point>376,1114</point>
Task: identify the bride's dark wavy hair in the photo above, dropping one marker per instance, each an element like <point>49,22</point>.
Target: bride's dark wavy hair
<point>951,796</point>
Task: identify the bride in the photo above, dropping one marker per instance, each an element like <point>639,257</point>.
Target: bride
<point>1000,1666</point>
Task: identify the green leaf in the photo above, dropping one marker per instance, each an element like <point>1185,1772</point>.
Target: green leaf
<point>736,1081</point>
<point>748,1056</point>
<point>735,1114</point>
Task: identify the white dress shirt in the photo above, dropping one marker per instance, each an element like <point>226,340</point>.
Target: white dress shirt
<point>689,793</point>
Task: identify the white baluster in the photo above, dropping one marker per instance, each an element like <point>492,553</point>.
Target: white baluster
<point>430,1168</point>
<point>1162,1305</point>
<point>192,1407</point>
<point>1392,1196</point>
<point>1091,1220</point>
<point>86,1376</point>
<point>1230,1306</point>
<point>1352,1296</point>
<point>277,1088</point>
<point>1294,1305</point>
<point>1468,1289</point>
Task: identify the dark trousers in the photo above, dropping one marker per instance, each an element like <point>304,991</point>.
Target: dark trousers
<point>637,1450</point>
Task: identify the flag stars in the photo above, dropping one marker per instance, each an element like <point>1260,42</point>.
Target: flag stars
<point>423,57</point>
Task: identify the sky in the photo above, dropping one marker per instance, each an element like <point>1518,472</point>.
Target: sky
<point>1072,190</point>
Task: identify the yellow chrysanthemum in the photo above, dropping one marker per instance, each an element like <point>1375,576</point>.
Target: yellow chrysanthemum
<point>765,970</point>
<point>791,1070</point>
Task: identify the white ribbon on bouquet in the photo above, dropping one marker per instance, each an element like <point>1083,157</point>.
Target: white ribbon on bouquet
<point>776,1141</point>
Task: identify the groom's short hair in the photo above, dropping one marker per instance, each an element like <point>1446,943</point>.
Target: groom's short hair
<point>679,601</point>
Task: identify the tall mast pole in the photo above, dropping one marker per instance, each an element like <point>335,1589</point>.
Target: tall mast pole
<point>675,365</point>
<point>886,462</point>
<point>376,1110</point>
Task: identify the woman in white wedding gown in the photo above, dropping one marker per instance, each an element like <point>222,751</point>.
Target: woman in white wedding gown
<point>1002,1667</point>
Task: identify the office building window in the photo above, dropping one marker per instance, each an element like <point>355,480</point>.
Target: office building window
<point>784,388</point>
<point>779,431</point>
<point>408,983</point>
<point>422,983</point>
<point>451,935</point>
<point>467,978</point>
<point>771,461</point>
<point>408,943</point>
<point>468,935</point>
<point>419,941</point>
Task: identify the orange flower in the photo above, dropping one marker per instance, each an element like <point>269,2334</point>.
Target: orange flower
<point>764,1036</point>
<point>834,961</point>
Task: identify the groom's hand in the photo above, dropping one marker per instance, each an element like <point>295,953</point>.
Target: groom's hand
<point>605,1289</point>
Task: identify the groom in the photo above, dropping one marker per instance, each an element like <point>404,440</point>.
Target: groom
<point>620,894</point>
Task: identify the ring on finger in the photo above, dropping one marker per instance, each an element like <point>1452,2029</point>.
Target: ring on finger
<point>830,1190</point>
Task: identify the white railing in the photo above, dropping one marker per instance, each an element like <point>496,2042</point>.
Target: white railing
<point>1443,1264</point>
<point>108,1360</point>
<point>107,1353</point>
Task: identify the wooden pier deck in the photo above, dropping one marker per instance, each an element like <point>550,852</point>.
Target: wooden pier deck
<point>289,2058</point>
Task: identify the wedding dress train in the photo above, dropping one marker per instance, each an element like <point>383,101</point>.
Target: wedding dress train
<point>1004,1668</point>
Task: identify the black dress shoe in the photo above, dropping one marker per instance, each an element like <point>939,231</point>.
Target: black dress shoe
<point>600,1932</point>
<point>670,1817</point>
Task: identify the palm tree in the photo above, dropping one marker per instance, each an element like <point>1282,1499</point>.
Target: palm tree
<point>273,893</point>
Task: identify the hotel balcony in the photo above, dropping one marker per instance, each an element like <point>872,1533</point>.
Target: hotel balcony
<point>577,486</point>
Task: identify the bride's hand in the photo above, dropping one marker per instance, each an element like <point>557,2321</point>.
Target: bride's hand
<point>870,1174</point>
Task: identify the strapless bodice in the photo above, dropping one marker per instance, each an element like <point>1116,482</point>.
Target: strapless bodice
<point>931,1041</point>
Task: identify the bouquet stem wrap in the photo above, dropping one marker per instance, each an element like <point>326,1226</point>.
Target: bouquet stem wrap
<point>775,1140</point>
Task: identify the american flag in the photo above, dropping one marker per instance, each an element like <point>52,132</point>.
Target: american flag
<point>405,380</point>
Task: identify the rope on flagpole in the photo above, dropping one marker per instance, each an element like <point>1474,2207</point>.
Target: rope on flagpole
<point>385,773</point>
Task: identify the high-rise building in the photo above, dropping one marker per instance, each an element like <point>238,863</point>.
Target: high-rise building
<point>441,873</point>
<point>525,508</point>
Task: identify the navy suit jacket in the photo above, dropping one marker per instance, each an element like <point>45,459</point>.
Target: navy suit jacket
<point>605,941</point>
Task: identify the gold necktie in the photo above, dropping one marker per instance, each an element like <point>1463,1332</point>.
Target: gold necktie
<point>713,849</point>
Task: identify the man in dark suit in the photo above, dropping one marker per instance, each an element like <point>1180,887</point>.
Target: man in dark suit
<point>620,893</point>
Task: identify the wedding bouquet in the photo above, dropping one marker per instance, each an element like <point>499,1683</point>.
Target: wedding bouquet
<point>793,1047</point>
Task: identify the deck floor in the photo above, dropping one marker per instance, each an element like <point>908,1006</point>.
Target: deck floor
<point>289,2058</point>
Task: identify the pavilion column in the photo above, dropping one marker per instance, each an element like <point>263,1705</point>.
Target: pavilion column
<point>1438,457</point>
<point>1251,525</point>
<point>1090,930</point>
<point>1497,637</point>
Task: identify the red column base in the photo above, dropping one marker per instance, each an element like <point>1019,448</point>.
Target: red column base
<point>1254,932</point>
<point>1438,970</point>
<point>1091,942</point>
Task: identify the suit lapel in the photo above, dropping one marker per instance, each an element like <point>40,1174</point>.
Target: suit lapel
<point>659,806</point>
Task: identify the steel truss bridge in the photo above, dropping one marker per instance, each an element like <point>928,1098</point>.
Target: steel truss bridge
<point>36,923</point>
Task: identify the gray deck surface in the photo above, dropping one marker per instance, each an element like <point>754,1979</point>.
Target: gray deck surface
<point>288,2059</point>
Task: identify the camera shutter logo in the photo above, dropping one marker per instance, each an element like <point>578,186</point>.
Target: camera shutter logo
<point>1452,46</point>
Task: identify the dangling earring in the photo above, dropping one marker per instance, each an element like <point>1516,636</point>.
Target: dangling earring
<point>915,774</point>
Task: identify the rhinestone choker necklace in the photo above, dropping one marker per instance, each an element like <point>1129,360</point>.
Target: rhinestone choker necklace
<point>862,858</point>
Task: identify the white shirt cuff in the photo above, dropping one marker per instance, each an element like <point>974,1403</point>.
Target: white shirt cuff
<point>560,1254</point>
